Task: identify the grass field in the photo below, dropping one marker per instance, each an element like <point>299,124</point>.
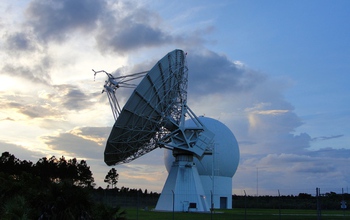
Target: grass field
<point>239,214</point>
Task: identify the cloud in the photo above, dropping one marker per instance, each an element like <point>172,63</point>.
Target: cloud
<point>37,73</point>
<point>25,105</point>
<point>56,20</point>
<point>96,134</point>
<point>35,111</point>
<point>323,138</point>
<point>73,98</point>
<point>7,119</point>
<point>19,151</point>
<point>295,163</point>
<point>117,26</point>
<point>69,96</point>
<point>83,143</point>
<point>25,59</point>
<point>314,168</point>
<point>19,41</point>
<point>272,112</point>
<point>291,173</point>
<point>131,27</point>
<point>330,153</point>
<point>50,104</point>
<point>130,36</point>
<point>264,115</point>
<point>210,72</point>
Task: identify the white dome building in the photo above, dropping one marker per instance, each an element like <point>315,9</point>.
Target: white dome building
<point>216,170</point>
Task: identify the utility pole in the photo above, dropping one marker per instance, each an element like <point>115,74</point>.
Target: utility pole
<point>318,203</point>
<point>257,182</point>
<point>279,204</point>
<point>173,204</point>
<point>245,205</point>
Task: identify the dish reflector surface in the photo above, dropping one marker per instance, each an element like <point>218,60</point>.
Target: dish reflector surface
<point>159,96</point>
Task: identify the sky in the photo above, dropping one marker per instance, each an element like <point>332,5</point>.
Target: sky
<point>275,72</point>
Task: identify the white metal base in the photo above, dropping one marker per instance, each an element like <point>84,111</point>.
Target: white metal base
<point>221,193</point>
<point>183,190</point>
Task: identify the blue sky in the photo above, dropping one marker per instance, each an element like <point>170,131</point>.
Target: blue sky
<point>275,72</point>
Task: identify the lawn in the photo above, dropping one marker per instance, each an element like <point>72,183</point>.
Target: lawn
<point>239,214</point>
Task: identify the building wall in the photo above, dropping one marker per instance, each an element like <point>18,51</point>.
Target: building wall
<point>222,188</point>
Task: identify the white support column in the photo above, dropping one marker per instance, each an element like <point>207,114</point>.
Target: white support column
<point>184,187</point>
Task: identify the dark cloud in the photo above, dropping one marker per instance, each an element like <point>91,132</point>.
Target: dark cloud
<point>22,46</point>
<point>72,97</point>
<point>75,100</point>
<point>20,152</point>
<point>314,167</point>
<point>267,143</point>
<point>57,19</point>
<point>80,144</point>
<point>246,142</point>
<point>279,159</point>
<point>260,142</point>
<point>95,132</point>
<point>50,105</point>
<point>330,153</point>
<point>285,171</point>
<point>12,103</point>
<point>37,111</point>
<point>323,138</point>
<point>19,41</point>
<point>117,26</point>
<point>130,36</point>
<point>7,119</point>
<point>290,143</point>
<point>37,74</point>
<point>210,72</point>
<point>132,27</point>
<point>24,106</point>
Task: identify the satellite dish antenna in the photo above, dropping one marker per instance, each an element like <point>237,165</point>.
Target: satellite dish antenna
<point>154,116</point>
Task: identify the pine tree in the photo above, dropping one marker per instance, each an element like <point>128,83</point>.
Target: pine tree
<point>112,177</point>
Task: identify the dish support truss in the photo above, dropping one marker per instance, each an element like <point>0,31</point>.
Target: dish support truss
<point>113,83</point>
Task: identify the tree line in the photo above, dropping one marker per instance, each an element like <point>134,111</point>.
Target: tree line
<point>329,200</point>
<point>57,188</point>
<point>50,170</point>
<point>54,188</point>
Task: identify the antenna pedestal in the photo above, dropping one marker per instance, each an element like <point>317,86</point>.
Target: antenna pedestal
<point>183,190</point>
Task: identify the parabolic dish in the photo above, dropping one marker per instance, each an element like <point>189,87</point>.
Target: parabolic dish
<point>159,96</point>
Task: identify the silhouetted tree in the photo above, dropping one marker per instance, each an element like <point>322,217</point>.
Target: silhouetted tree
<point>85,178</point>
<point>58,170</point>
<point>10,164</point>
<point>46,169</point>
<point>26,166</point>
<point>304,195</point>
<point>112,177</point>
